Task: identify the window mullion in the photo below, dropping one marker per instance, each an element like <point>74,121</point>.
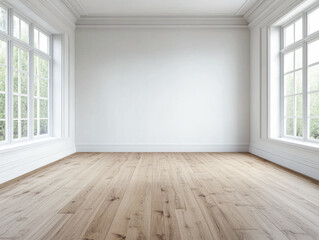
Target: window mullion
<point>31,83</point>
<point>282,118</point>
<point>50,93</point>
<point>19,94</point>
<point>305,80</point>
<point>10,79</point>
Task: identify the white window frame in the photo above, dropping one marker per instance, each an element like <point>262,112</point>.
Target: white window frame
<point>303,43</point>
<point>11,42</point>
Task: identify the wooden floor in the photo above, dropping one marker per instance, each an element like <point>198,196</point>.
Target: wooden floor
<point>161,196</point>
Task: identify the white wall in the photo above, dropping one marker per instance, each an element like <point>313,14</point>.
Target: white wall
<point>162,89</point>
<point>296,157</point>
<point>18,160</point>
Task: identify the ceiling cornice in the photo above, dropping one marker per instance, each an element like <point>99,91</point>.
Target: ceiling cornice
<point>246,14</point>
<point>76,7</point>
<point>53,13</point>
<point>265,12</point>
<point>246,7</point>
<point>162,21</point>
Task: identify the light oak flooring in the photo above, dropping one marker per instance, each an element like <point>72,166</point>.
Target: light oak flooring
<point>161,196</point>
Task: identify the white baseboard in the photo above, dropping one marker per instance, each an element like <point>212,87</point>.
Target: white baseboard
<point>161,148</point>
<point>291,161</point>
<point>16,163</point>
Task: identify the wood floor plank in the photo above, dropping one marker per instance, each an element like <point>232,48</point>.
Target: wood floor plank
<point>157,196</point>
<point>171,201</point>
<point>103,219</point>
<point>191,220</point>
<point>132,220</point>
<point>79,222</point>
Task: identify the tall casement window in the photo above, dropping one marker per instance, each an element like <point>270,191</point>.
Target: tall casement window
<point>300,77</point>
<point>25,78</point>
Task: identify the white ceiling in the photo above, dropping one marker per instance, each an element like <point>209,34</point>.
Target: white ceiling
<point>104,8</point>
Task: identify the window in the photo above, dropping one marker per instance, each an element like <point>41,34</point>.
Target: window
<point>3,90</point>
<point>25,67</point>
<point>41,41</point>
<point>41,95</point>
<point>300,77</point>
<point>20,29</point>
<point>20,92</point>
<point>3,19</point>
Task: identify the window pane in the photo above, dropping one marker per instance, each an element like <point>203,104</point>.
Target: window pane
<point>43,127</point>
<point>299,105</point>
<point>15,106</point>
<point>3,19</point>
<point>313,52</point>
<point>24,60</point>
<point>43,42</point>
<point>314,104</point>
<point>20,29</point>
<point>43,87</point>
<point>289,62</point>
<point>290,106</point>
<point>3,52</point>
<point>2,130</point>
<point>35,104</point>
<point>289,35</point>
<point>314,128</point>
<point>313,21</point>
<point>36,71</point>
<point>16,57</point>
<point>16,27</point>
<point>298,76</point>
<point>24,107</point>
<point>15,129</point>
<point>3,73</point>
<point>24,31</point>
<point>289,84</point>
<point>36,38</point>
<point>44,65</point>
<point>43,108</point>
<point>35,127</point>
<point>24,128</point>
<point>298,30</point>
<point>313,76</point>
<point>24,83</point>
<point>299,129</point>
<point>290,123</point>
<point>35,87</point>
<point>16,82</point>
<point>298,58</point>
<point>2,106</point>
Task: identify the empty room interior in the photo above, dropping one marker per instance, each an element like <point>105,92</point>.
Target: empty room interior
<point>159,120</point>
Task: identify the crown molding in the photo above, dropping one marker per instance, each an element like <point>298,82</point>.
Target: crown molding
<point>248,14</point>
<point>178,21</point>
<point>246,7</point>
<point>76,7</point>
<point>53,13</point>
<point>266,11</point>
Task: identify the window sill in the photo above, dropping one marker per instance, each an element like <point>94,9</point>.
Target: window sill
<point>26,144</point>
<point>297,143</point>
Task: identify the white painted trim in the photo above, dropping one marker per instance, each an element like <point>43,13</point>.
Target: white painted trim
<point>162,148</point>
<point>51,15</point>
<point>292,161</point>
<point>268,12</point>
<point>247,7</point>
<point>16,163</point>
<point>220,21</point>
<point>27,144</point>
<point>76,7</point>
<point>252,9</point>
